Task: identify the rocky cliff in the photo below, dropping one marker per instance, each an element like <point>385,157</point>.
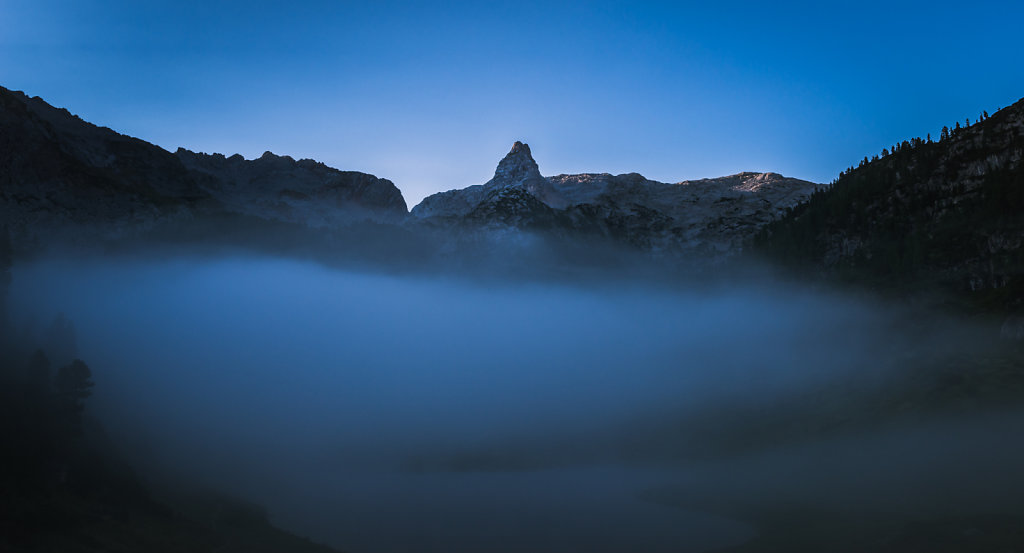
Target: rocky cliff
<point>709,217</point>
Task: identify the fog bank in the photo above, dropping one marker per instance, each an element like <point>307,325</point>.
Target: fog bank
<point>404,413</point>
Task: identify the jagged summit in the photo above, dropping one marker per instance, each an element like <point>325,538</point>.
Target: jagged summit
<point>520,147</point>
<point>517,170</point>
<point>517,166</point>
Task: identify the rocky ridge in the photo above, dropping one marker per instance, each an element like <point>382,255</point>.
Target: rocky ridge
<point>58,171</point>
<point>708,217</point>
<point>62,177</point>
<point>305,192</point>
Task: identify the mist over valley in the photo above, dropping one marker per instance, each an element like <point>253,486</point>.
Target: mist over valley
<point>385,412</point>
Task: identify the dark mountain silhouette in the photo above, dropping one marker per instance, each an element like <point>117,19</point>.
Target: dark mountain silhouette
<point>945,216</point>
<point>63,177</point>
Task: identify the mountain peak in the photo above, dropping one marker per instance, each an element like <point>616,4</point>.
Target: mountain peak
<point>517,166</point>
<point>520,148</point>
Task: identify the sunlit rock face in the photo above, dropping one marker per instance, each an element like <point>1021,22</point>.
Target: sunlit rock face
<point>708,217</point>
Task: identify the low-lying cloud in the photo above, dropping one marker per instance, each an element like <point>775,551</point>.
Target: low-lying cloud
<point>349,403</point>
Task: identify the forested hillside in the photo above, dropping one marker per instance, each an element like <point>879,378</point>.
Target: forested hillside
<point>924,215</point>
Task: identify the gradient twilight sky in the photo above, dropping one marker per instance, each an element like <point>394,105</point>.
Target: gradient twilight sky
<point>432,94</point>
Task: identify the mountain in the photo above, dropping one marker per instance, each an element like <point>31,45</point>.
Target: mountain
<point>517,170</point>
<point>64,179</point>
<point>305,191</point>
<point>59,171</point>
<point>710,218</point>
<point>946,216</point>
<point>60,175</point>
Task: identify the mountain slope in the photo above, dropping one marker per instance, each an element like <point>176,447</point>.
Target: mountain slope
<point>945,215</point>
<point>57,170</point>
<point>709,218</point>
<point>304,191</point>
<point>62,175</point>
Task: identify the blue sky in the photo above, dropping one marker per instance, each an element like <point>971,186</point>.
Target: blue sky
<point>431,95</point>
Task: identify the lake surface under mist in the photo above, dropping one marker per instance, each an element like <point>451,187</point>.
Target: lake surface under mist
<point>348,404</point>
